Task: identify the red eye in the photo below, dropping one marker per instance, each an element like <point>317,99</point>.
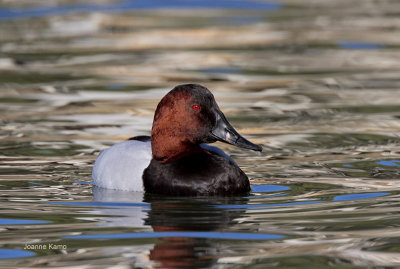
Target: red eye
<point>196,107</point>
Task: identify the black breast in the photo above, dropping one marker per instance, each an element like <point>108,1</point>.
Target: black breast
<point>197,174</point>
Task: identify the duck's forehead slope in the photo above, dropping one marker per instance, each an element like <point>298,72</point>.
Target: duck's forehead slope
<point>194,92</point>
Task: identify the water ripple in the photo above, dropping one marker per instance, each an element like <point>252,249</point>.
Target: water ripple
<point>214,235</point>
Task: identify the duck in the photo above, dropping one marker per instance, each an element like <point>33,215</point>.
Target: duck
<point>176,159</point>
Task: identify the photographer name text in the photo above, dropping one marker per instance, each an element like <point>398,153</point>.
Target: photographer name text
<point>48,246</point>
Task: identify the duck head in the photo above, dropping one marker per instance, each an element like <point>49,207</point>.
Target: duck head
<point>186,117</point>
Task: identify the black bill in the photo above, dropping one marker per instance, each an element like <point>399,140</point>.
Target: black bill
<point>224,132</point>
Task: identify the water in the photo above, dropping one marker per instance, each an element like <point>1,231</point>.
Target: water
<point>316,83</point>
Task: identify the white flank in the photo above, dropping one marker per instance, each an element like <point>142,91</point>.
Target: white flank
<point>121,166</point>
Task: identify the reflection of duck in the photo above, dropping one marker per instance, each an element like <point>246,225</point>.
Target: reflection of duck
<point>128,206</point>
<point>175,215</point>
<point>177,161</point>
<point>185,215</point>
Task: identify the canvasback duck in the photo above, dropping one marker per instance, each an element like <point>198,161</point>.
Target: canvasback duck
<point>176,159</point>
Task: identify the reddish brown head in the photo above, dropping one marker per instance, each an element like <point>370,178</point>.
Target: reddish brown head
<point>186,117</point>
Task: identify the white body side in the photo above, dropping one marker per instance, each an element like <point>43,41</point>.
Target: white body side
<point>121,166</point>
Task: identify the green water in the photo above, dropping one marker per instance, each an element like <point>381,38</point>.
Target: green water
<point>315,82</point>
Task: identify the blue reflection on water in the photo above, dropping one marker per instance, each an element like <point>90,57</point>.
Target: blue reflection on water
<point>101,204</point>
<point>115,86</point>
<point>14,253</point>
<point>21,221</point>
<point>265,196</point>
<point>349,197</point>
<point>260,206</point>
<point>83,182</point>
<point>215,235</point>
<point>347,165</point>
<point>135,4</point>
<point>34,183</point>
<point>269,188</point>
<point>359,45</point>
<point>359,196</point>
<point>222,70</point>
<point>389,163</point>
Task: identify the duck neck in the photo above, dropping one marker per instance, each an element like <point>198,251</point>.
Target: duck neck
<point>168,149</point>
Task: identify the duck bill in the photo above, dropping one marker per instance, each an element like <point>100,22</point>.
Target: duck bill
<point>224,132</point>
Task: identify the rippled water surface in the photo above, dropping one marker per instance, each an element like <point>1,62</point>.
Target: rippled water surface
<point>315,82</point>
